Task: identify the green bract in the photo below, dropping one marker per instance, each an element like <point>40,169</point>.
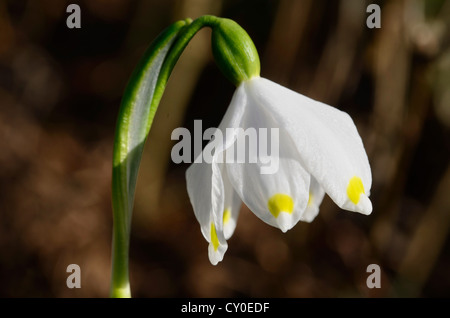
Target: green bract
<point>234,51</point>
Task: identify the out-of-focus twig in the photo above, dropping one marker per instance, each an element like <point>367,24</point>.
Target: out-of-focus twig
<point>286,35</point>
<point>427,241</point>
<point>335,66</point>
<point>403,102</point>
<point>391,60</point>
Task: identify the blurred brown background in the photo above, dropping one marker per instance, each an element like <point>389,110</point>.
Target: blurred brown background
<point>60,91</point>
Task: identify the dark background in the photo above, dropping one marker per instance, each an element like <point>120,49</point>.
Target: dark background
<point>60,91</point>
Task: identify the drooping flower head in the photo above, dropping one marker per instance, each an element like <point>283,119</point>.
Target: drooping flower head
<point>319,151</point>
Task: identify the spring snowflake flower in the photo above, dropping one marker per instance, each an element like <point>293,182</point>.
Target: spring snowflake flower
<point>314,148</point>
<point>320,151</point>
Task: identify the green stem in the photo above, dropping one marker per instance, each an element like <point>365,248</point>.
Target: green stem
<point>182,41</point>
<point>138,108</point>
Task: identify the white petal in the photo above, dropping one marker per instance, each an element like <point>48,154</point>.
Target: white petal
<point>205,184</point>
<point>232,206</point>
<point>217,245</point>
<point>278,198</point>
<point>327,141</point>
<point>205,190</point>
<point>316,194</point>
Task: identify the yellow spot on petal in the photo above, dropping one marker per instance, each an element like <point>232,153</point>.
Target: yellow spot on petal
<point>310,199</point>
<point>280,203</point>
<point>226,216</point>
<point>354,189</point>
<point>214,238</point>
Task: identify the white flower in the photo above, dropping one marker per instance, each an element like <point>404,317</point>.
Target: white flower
<point>320,151</point>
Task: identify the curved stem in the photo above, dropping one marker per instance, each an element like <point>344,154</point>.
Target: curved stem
<point>183,39</point>
<point>138,108</point>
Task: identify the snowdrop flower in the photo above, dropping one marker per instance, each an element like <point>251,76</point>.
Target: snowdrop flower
<point>320,151</point>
